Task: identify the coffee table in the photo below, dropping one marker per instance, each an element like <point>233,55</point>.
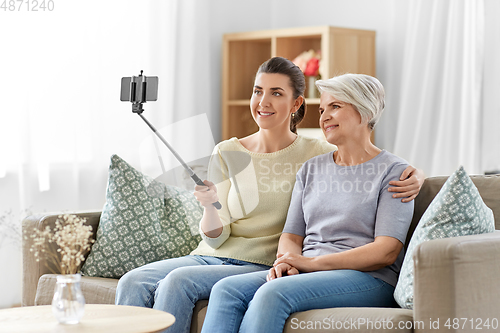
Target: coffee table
<point>97,318</point>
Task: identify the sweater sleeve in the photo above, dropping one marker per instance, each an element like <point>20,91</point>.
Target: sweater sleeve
<point>218,174</point>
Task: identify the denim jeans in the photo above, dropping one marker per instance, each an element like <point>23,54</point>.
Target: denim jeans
<point>175,285</point>
<point>247,303</point>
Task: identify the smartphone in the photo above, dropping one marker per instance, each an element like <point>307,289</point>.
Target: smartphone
<point>129,94</point>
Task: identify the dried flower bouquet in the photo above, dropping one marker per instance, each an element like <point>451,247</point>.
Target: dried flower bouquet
<point>73,239</point>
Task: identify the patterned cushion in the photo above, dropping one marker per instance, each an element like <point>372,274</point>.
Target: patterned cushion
<point>142,221</point>
<point>457,210</point>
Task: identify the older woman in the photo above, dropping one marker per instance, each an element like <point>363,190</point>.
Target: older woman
<point>342,245</point>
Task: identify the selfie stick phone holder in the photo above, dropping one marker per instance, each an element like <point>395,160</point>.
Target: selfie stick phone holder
<point>140,89</point>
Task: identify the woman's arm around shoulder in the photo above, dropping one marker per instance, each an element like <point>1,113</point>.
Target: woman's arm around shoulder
<point>409,184</point>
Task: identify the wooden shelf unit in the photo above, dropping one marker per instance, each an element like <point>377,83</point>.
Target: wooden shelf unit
<point>342,51</point>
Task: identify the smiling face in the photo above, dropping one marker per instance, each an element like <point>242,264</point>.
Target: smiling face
<point>272,101</point>
<point>340,121</point>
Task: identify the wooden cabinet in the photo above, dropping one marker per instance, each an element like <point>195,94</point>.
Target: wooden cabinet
<point>342,50</point>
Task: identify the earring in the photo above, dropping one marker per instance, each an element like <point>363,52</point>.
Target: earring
<point>293,115</point>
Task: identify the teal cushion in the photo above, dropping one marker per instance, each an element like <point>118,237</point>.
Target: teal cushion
<point>142,221</point>
<point>457,210</point>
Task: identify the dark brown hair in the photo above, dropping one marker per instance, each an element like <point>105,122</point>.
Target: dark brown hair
<point>279,65</point>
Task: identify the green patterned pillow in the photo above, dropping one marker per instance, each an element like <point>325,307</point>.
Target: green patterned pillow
<point>457,210</point>
<point>142,221</point>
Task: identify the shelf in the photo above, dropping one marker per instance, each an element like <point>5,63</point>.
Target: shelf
<point>310,101</point>
<point>312,117</point>
<point>241,122</point>
<point>246,102</point>
<point>239,102</point>
<point>245,59</point>
<point>291,47</point>
<point>342,50</point>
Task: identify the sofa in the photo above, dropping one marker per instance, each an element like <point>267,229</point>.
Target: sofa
<point>456,281</point>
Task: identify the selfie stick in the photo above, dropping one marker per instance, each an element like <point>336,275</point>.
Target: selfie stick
<point>137,108</point>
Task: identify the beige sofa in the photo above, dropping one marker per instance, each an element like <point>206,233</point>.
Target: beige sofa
<point>456,280</point>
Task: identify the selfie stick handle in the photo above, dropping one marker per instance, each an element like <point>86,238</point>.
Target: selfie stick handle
<point>190,171</point>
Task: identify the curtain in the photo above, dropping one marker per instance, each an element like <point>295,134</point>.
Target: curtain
<point>491,108</point>
<point>61,114</point>
<point>440,109</point>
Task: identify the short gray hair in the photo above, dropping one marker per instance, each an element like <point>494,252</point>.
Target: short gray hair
<point>364,92</point>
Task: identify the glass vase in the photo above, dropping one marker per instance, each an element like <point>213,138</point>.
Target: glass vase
<point>68,303</point>
<point>312,91</point>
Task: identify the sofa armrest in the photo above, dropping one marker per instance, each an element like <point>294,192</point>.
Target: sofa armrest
<point>457,279</point>
<point>32,269</point>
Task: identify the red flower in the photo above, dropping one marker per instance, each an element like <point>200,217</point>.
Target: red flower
<point>312,67</point>
<point>309,62</point>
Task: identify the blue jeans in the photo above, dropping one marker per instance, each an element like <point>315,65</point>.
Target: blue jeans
<point>175,285</point>
<point>247,303</point>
